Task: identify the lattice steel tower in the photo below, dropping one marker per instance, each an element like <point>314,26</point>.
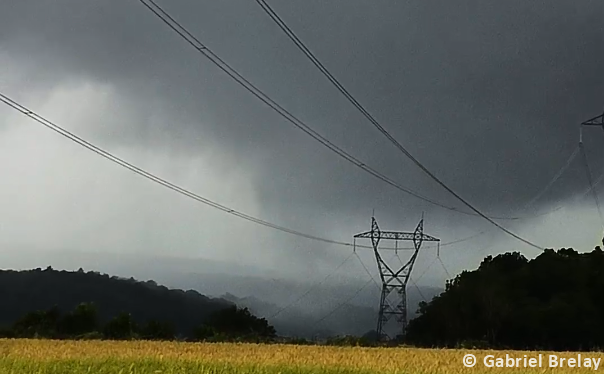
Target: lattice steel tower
<point>394,279</point>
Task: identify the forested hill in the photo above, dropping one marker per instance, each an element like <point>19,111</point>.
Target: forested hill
<point>553,302</point>
<point>22,292</point>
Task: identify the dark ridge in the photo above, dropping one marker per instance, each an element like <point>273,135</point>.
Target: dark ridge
<point>22,292</point>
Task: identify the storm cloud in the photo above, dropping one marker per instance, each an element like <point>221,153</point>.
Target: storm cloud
<point>487,94</point>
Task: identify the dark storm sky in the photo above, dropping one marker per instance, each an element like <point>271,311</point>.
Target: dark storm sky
<point>487,94</point>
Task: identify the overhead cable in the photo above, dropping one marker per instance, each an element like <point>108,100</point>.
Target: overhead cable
<point>368,272</point>
<point>232,73</point>
<point>376,124</point>
<point>312,288</point>
<point>444,267</point>
<point>555,178</point>
<point>13,104</point>
<point>152,177</point>
<point>344,302</point>
<point>590,180</point>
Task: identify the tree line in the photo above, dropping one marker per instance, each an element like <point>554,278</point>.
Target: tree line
<point>229,324</point>
<point>553,302</point>
<point>22,292</point>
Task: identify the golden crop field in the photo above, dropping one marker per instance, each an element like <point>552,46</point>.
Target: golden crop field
<point>95,357</point>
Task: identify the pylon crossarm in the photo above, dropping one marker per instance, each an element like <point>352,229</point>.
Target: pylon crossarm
<point>396,235</point>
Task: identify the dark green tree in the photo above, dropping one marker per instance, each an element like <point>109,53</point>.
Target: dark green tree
<point>22,292</point>
<point>551,302</point>
<point>235,324</point>
<point>122,327</point>
<point>204,332</point>
<point>82,320</point>
<point>38,324</point>
<point>155,330</point>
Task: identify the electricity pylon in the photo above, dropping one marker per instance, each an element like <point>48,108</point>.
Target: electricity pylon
<point>394,279</point>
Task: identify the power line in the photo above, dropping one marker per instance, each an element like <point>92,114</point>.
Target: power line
<point>358,292</point>
<point>372,279</point>
<point>444,267</point>
<point>109,156</point>
<point>586,192</point>
<point>590,180</point>
<point>200,47</point>
<point>427,268</point>
<point>221,64</point>
<point>376,124</point>
<point>467,238</point>
<point>344,302</point>
<point>368,272</point>
<point>462,239</point>
<point>43,121</point>
<point>596,183</point>
<point>312,288</point>
<point>555,178</point>
<point>421,294</point>
<point>38,118</point>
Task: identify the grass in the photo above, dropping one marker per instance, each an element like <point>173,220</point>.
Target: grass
<point>95,357</point>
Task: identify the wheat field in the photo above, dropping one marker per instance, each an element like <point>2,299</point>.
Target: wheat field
<point>95,357</point>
